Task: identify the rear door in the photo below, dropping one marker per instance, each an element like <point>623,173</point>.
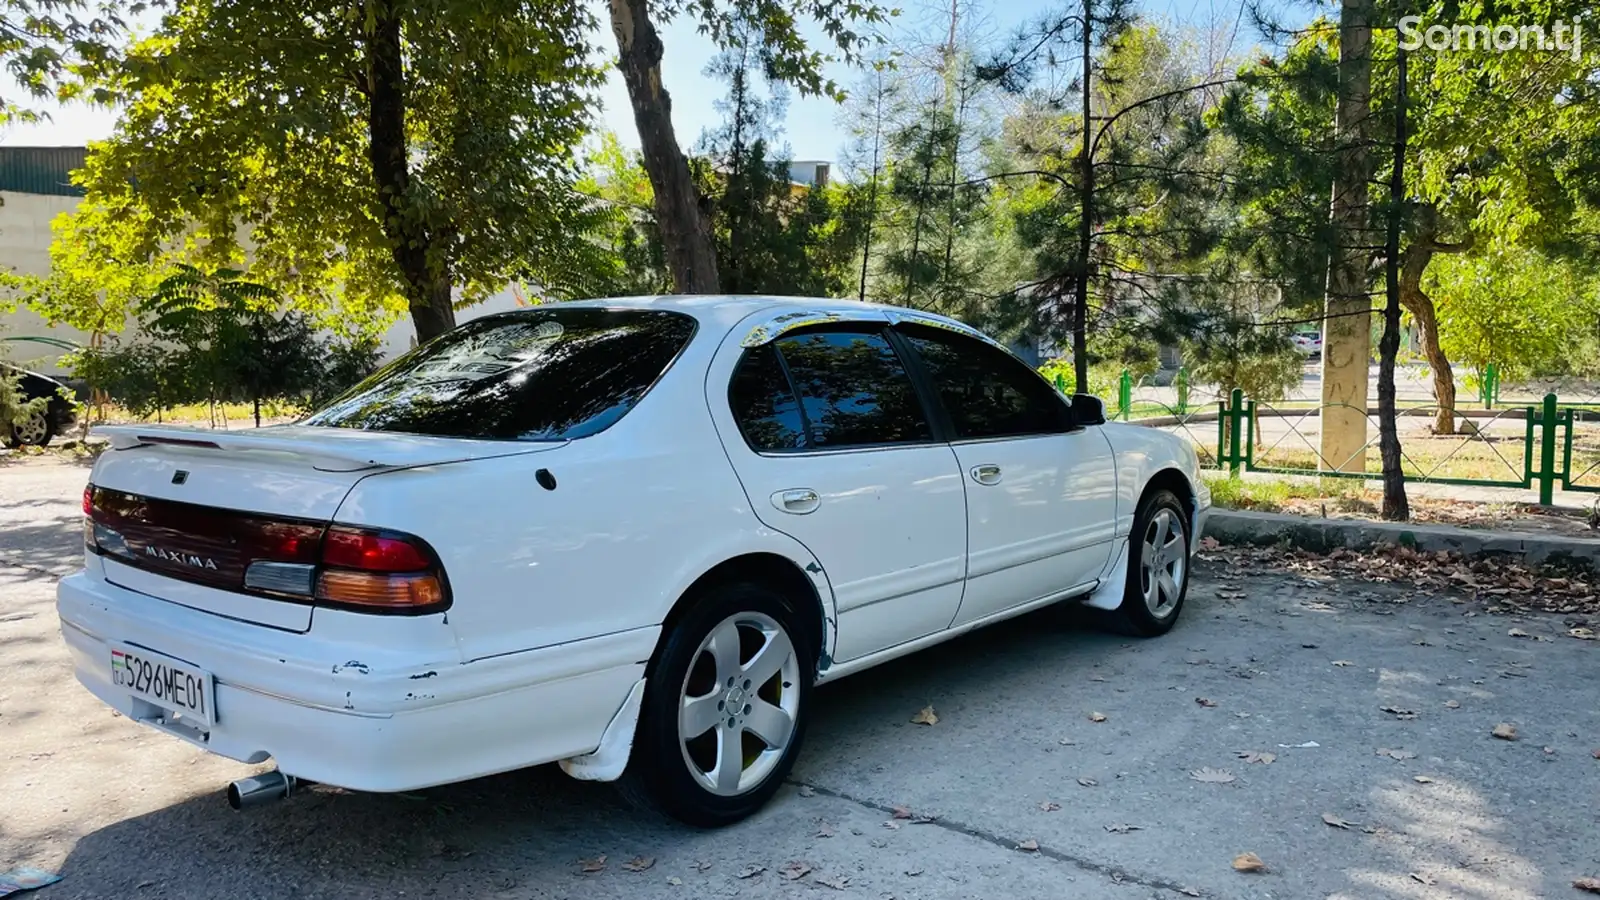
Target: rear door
<point>1040,490</point>
<point>834,447</point>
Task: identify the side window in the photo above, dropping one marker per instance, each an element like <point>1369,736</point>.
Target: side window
<point>987,392</point>
<point>763,403</point>
<point>853,389</point>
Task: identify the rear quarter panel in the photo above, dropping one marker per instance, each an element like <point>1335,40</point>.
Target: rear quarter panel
<point>638,513</point>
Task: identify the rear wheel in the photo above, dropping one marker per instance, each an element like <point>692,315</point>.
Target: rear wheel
<point>1158,566</point>
<point>724,709</point>
<point>34,430</point>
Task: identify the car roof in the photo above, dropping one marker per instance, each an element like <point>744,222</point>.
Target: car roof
<point>725,311</point>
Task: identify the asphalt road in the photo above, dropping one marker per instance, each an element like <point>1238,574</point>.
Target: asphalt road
<point>124,812</point>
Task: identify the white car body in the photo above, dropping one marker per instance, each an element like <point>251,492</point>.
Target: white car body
<point>559,596</point>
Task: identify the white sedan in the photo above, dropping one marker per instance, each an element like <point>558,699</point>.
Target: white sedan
<point>628,536</point>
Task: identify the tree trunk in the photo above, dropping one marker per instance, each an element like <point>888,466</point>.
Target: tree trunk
<point>1395,506</point>
<point>409,239</point>
<point>685,233</point>
<point>1080,308</point>
<point>1347,345</point>
<point>1420,305</point>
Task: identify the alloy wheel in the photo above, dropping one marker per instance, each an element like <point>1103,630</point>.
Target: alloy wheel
<point>1163,563</point>
<point>739,703</point>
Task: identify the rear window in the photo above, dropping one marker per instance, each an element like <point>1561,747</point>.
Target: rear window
<point>545,375</point>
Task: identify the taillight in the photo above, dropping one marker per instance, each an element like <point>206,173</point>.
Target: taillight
<point>371,551</point>
<point>376,570</point>
<point>88,500</point>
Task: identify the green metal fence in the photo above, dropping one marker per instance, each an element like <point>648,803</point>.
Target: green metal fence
<point>1542,445</point>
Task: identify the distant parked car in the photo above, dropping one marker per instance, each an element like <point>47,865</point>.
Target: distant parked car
<point>1309,343</point>
<point>56,418</point>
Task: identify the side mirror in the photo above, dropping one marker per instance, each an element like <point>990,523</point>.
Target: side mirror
<point>1088,409</point>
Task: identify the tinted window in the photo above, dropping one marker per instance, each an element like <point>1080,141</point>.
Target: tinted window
<point>545,375</point>
<point>988,392</point>
<point>853,390</point>
<point>763,403</point>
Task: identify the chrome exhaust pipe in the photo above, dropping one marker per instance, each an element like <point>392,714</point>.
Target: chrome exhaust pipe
<point>259,790</point>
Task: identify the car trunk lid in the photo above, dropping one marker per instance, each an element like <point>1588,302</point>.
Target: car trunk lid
<point>181,513</point>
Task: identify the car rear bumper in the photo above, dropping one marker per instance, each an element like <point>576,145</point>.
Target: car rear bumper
<point>391,725</point>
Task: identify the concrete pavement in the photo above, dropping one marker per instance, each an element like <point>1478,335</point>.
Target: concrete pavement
<point>122,811</point>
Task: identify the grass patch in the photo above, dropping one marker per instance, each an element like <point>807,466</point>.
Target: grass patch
<point>1264,495</point>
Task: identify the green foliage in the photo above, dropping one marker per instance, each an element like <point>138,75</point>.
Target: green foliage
<point>633,260</point>
<point>42,41</point>
<point>215,337</point>
<point>94,280</point>
<point>15,406</point>
<point>1519,310</point>
<point>142,378</point>
<point>244,122</point>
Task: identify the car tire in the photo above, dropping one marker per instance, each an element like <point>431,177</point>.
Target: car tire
<point>707,708</point>
<point>37,430</point>
<point>1158,566</point>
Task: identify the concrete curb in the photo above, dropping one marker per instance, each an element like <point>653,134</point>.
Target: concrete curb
<point>1323,535</point>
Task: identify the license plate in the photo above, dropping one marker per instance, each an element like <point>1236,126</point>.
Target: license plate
<point>165,682</point>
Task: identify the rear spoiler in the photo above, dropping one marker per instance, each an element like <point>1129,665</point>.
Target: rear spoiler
<point>327,449</point>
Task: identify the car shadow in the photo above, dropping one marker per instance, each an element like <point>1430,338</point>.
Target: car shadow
<point>50,544</point>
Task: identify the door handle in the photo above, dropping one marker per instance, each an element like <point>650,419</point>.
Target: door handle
<point>986,474</point>
<point>797,500</point>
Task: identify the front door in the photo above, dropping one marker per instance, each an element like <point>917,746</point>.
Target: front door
<point>835,448</point>
<point>1041,491</point>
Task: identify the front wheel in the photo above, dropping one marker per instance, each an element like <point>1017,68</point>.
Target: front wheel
<point>34,430</point>
<point>1158,566</point>
<point>724,709</point>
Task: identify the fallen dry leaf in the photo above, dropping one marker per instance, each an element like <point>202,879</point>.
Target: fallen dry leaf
<point>639,863</point>
<point>1029,845</point>
<point>900,812</point>
<point>824,830</point>
<point>1422,879</point>
<point>1188,892</point>
<point>1087,782</point>
<point>1208,775</point>
<point>892,826</point>
<point>1592,885</point>
<point>1248,862</point>
<point>1596,753</point>
<point>591,866</point>
<point>1123,829</point>
<point>1398,755</point>
<point>1505,731</point>
<point>675,881</point>
<point>1049,806</point>
<point>1422,779</point>
<point>1097,717</point>
<point>1341,663</point>
<point>837,882</point>
<point>1209,543</point>
<point>1452,704</point>
<point>795,870</point>
<point>1257,756</point>
<point>1399,713</point>
<point>1517,632</point>
<point>807,790</point>
<point>1067,742</point>
<point>1338,822</point>
<point>702,865</point>
<point>926,717</point>
<point>1582,634</point>
<point>1205,701</point>
<point>751,871</point>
